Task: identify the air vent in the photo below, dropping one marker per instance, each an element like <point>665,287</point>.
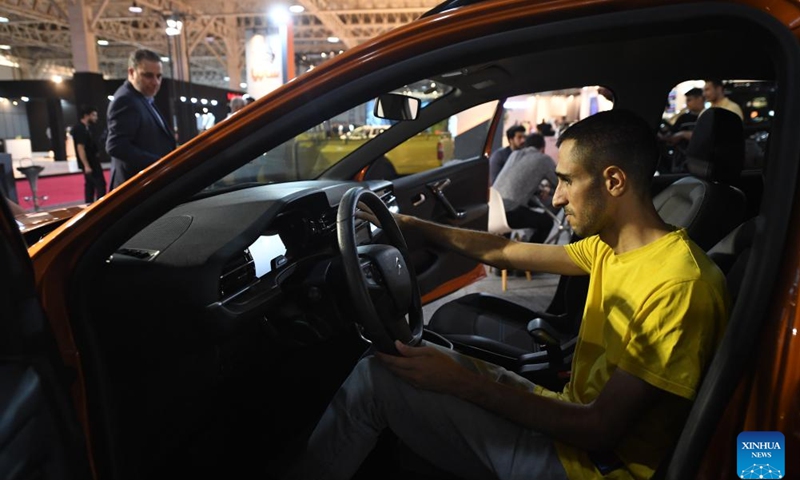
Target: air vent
<point>238,273</point>
<point>140,253</point>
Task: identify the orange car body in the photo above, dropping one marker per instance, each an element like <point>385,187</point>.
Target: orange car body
<point>769,395</point>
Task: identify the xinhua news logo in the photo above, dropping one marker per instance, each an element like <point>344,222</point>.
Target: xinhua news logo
<point>761,455</point>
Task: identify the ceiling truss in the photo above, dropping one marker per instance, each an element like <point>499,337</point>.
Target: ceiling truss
<point>38,31</point>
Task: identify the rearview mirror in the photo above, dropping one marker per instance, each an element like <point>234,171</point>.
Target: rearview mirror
<point>393,106</point>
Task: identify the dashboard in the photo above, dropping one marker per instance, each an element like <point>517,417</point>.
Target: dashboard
<point>230,255</point>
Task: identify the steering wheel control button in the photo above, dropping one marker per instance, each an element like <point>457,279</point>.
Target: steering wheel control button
<point>279,261</point>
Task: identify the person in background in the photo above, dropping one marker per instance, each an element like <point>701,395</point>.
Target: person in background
<point>686,119</point>
<point>237,103</point>
<point>519,182</point>
<point>714,92</point>
<point>545,128</point>
<point>561,125</point>
<point>138,135</point>
<point>87,154</point>
<point>516,137</point>
<point>680,127</point>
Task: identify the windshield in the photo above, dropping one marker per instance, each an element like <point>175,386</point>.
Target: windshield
<point>309,154</point>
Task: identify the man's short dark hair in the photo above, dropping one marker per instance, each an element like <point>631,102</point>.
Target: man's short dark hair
<point>535,140</point>
<point>615,137</point>
<point>512,132</point>
<point>141,55</point>
<point>86,110</point>
<point>716,82</point>
<point>694,92</point>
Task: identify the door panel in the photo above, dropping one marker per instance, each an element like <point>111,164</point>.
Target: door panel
<point>40,436</point>
<point>465,186</point>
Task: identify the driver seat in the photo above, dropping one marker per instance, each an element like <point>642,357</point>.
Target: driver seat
<point>497,330</point>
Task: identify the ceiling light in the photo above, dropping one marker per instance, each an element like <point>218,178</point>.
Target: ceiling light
<point>3,19</point>
<point>214,103</point>
<point>24,99</point>
<point>242,85</point>
<point>174,26</point>
<point>193,100</point>
<point>279,15</point>
<point>324,55</point>
<point>183,99</point>
<point>5,47</point>
<point>135,8</point>
<point>165,59</point>
<point>341,51</point>
<point>57,78</point>
<point>333,39</point>
<point>14,102</point>
<point>110,98</point>
<point>102,43</point>
<point>204,101</point>
<point>297,9</point>
<point>226,79</point>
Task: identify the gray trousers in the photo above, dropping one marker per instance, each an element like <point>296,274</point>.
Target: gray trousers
<point>455,435</point>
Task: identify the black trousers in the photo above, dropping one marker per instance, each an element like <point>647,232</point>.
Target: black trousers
<point>94,185</point>
<point>523,217</point>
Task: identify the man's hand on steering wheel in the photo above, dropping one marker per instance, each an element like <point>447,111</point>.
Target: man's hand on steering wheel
<point>380,279</point>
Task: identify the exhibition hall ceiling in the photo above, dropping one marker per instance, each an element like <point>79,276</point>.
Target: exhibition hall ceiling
<point>37,35</point>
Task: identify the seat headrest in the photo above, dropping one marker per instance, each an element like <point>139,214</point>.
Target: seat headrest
<point>716,150</point>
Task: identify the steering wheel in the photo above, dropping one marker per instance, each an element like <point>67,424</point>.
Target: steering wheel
<point>382,285</point>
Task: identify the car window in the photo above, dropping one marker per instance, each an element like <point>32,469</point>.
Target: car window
<point>312,152</point>
<point>458,137</point>
<point>755,99</point>
<point>550,113</point>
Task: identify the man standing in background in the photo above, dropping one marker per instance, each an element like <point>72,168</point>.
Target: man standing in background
<point>86,152</point>
<point>138,135</point>
<point>516,137</point>
<point>714,91</point>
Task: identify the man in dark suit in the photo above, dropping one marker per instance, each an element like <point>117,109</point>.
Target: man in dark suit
<point>138,134</point>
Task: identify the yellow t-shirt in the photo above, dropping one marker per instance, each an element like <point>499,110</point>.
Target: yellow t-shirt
<point>730,105</point>
<point>657,312</point>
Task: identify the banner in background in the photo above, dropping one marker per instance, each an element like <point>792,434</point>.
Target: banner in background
<point>265,58</point>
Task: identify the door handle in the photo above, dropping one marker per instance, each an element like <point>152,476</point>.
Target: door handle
<point>438,190</point>
<point>419,200</point>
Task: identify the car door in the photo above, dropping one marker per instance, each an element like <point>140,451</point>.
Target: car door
<point>40,436</point>
<point>455,194</point>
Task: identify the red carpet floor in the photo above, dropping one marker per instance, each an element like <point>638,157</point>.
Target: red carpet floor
<point>60,190</point>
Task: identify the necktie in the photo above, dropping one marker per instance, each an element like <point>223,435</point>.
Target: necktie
<point>151,102</point>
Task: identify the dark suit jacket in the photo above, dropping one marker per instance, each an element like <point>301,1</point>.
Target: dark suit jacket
<point>136,139</point>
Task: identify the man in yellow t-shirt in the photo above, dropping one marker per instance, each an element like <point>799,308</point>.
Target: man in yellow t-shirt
<point>655,311</point>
